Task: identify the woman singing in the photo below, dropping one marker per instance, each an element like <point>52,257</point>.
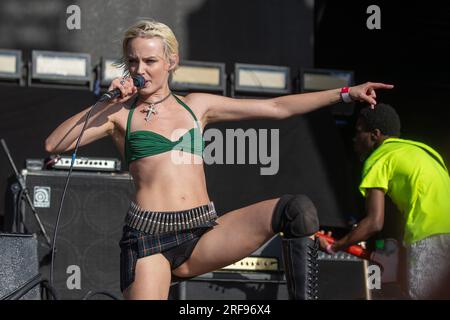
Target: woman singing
<point>171,228</point>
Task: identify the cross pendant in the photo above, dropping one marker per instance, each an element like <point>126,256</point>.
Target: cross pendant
<point>150,110</point>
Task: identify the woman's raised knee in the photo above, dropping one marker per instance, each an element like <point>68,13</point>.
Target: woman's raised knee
<point>295,216</point>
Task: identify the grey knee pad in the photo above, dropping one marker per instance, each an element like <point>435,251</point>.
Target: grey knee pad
<point>295,216</point>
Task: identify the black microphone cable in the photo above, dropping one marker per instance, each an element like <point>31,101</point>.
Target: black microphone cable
<point>74,155</point>
<point>139,82</point>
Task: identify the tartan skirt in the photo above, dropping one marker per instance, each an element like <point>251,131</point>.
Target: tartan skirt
<point>176,243</point>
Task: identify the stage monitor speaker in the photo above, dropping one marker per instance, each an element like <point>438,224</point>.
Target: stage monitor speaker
<point>18,264</point>
<point>90,228</point>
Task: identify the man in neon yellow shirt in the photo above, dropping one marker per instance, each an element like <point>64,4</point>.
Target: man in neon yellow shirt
<point>415,177</point>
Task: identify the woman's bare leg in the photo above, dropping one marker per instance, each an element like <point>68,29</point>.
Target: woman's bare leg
<point>152,279</point>
<point>239,233</point>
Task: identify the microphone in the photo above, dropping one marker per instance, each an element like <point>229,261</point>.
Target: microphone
<point>138,81</point>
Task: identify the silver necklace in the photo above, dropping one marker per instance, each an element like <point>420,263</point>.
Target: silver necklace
<point>150,109</point>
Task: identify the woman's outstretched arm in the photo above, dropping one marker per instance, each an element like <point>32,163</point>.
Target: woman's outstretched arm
<point>217,108</point>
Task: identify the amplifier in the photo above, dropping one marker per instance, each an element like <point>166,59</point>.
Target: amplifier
<point>343,277</point>
<point>232,285</point>
<point>87,164</point>
<point>87,256</point>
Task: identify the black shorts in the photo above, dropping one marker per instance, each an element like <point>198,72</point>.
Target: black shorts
<point>176,247</point>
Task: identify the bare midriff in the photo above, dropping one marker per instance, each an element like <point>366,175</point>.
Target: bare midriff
<point>172,181</point>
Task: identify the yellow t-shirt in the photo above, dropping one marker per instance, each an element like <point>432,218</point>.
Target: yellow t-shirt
<point>414,176</point>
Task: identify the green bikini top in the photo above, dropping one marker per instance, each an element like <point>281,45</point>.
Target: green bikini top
<point>143,143</point>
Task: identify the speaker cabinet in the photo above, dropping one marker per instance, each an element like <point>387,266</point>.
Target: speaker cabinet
<point>18,264</point>
<point>90,227</point>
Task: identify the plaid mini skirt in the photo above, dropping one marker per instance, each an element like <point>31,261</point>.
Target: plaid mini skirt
<point>173,234</point>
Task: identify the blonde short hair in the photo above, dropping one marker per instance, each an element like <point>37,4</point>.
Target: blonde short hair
<point>149,29</point>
